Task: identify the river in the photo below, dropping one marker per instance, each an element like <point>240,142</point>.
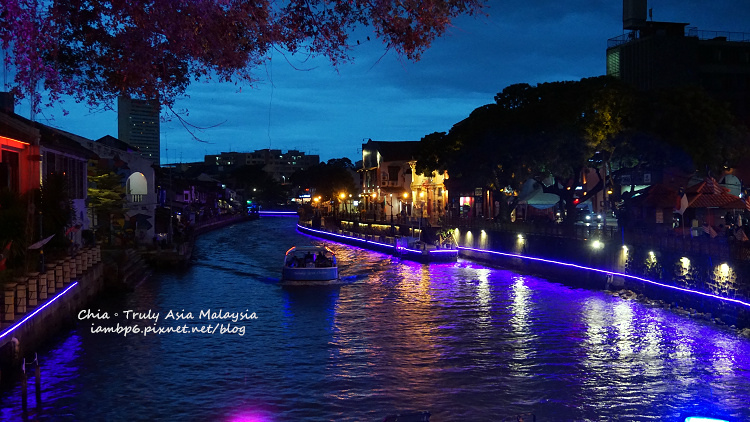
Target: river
<point>464,341</point>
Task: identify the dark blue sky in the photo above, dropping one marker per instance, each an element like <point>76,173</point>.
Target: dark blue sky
<point>305,104</point>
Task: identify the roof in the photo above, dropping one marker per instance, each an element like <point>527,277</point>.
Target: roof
<point>657,196</point>
<point>312,248</point>
<point>393,150</point>
<point>710,194</point>
<point>113,142</point>
<point>16,129</point>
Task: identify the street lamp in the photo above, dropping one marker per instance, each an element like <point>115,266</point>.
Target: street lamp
<point>391,196</point>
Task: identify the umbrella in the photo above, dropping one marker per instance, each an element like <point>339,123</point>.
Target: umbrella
<point>41,243</point>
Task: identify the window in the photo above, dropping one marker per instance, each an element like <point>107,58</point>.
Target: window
<point>613,63</point>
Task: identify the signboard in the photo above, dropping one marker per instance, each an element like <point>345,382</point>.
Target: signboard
<point>659,216</point>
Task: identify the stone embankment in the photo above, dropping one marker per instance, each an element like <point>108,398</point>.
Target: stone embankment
<point>37,305</point>
<point>178,255</point>
<point>714,289</point>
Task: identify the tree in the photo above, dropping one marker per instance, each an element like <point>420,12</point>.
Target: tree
<point>328,180</point>
<point>551,129</point>
<point>106,197</point>
<point>689,123</point>
<point>257,184</point>
<point>96,50</point>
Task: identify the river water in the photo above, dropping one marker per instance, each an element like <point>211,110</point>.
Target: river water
<point>463,341</point>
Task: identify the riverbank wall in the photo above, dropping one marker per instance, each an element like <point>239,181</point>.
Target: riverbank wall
<point>178,255</point>
<point>36,306</point>
<point>693,281</point>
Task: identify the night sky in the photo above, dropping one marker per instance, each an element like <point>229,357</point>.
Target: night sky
<point>305,104</point>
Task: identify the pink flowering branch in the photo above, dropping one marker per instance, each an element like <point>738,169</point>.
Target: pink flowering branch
<point>96,50</point>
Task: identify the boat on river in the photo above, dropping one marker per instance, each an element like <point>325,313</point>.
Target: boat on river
<point>309,266</point>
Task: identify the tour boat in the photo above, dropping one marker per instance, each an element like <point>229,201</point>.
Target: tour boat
<point>309,266</point>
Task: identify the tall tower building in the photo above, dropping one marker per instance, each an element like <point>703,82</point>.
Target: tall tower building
<point>138,125</point>
<point>656,55</point>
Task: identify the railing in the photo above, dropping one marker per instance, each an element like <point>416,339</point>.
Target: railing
<point>551,230</point>
<point>721,247</point>
<point>622,39</point>
<point>691,32</point>
<point>721,35</point>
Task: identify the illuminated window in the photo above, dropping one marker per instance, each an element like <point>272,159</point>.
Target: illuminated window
<point>613,63</point>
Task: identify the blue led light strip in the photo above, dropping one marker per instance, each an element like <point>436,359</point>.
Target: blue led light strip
<point>29,316</point>
<point>346,237</point>
<point>278,213</point>
<point>739,302</point>
<point>383,245</point>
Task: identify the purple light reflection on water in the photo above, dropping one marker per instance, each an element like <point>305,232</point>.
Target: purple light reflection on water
<point>460,340</point>
<point>630,276</point>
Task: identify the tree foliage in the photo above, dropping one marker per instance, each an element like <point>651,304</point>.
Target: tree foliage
<point>96,50</point>
<point>106,194</point>
<point>257,184</point>
<point>327,179</point>
<point>557,129</point>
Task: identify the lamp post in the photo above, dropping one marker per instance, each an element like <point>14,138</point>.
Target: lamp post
<point>342,196</point>
<point>391,204</point>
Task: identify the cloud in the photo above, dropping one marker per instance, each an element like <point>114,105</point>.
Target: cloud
<point>303,103</point>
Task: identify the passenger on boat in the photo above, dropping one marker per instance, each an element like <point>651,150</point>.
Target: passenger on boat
<point>309,260</point>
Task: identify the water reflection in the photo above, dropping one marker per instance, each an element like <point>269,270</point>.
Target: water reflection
<point>461,340</point>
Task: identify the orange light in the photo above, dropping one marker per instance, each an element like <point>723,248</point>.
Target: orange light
<point>374,195</point>
<point>3,138</point>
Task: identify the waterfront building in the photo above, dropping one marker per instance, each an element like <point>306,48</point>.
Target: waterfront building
<point>393,189</point>
<point>138,178</point>
<point>138,125</point>
<point>33,153</point>
<point>19,150</point>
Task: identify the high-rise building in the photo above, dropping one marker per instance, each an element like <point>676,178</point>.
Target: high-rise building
<point>138,125</point>
<point>655,55</point>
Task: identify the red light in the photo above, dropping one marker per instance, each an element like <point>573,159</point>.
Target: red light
<point>576,201</point>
